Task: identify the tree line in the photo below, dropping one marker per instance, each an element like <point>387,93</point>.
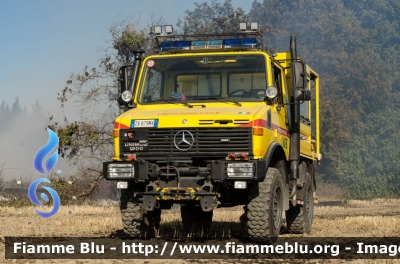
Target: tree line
<point>353,45</point>
<point>9,113</point>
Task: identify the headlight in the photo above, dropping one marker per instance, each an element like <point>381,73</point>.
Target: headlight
<point>121,171</point>
<point>240,169</point>
<point>126,96</point>
<point>272,92</point>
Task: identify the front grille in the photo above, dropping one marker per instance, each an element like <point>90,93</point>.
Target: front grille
<point>206,140</point>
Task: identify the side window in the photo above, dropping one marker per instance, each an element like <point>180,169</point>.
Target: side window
<point>152,90</point>
<point>278,83</point>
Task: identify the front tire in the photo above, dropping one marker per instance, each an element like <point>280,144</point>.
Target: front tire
<point>265,206</point>
<point>136,221</point>
<point>299,219</point>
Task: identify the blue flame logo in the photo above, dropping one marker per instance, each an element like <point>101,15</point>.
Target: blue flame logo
<point>38,165</point>
<point>34,199</point>
<point>44,151</point>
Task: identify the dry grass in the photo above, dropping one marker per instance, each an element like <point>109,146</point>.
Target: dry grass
<point>379,217</point>
<point>380,202</point>
<point>352,219</point>
<point>69,221</point>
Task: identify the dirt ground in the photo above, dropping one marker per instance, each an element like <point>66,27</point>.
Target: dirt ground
<point>378,218</point>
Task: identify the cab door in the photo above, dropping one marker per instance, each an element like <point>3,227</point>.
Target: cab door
<point>305,125</point>
<point>281,111</point>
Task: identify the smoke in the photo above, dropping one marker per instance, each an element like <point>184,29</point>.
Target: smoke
<point>20,140</point>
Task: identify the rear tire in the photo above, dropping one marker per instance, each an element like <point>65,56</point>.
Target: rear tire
<point>299,219</point>
<point>195,221</point>
<point>265,206</point>
<point>136,221</point>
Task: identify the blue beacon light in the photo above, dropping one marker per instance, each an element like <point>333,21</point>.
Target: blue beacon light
<point>210,44</point>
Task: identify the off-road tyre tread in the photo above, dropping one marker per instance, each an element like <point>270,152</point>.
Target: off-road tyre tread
<point>259,206</point>
<point>295,216</point>
<point>136,221</point>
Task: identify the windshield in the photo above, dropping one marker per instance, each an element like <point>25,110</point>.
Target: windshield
<point>206,77</point>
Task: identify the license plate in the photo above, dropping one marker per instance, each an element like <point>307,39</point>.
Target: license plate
<point>144,123</point>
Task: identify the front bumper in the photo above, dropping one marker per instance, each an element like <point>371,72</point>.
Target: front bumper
<point>182,185</point>
<point>220,170</point>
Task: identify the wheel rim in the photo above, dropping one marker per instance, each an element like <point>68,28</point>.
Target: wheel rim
<point>309,203</point>
<point>277,208</point>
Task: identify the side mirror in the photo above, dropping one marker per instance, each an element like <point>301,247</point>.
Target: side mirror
<point>302,95</point>
<point>127,80</point>
<point>307,95</point>
<point>300,74</point>
<point>300,92</point>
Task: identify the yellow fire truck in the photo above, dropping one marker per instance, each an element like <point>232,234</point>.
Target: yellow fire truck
<point>215,121</point>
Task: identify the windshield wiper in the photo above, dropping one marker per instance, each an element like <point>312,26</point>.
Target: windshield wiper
<point>171,101</point>
<point>218,99</point>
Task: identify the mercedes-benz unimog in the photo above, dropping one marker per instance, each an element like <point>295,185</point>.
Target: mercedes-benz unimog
<point>215,121</point>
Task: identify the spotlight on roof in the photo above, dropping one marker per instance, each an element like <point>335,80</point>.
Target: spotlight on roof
<point>254,26</point>
<point>157,30</point>
<point>168,29</point>
<point>243,26</point>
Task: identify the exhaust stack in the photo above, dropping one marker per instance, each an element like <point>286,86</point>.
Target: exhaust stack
<point>294,155</point>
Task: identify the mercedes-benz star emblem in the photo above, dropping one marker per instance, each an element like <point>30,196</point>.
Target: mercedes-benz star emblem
<point>183,140</point>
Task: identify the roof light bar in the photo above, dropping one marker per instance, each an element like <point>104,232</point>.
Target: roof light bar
<point>231,43</point>
<point>182,45</point>
<point>250,43</point>
<point>200,44</point>
<point>164,46</point>
<point>245,43</point>
<point>214,44</point>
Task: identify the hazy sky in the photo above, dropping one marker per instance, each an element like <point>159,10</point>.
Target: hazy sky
<point>42,42</point>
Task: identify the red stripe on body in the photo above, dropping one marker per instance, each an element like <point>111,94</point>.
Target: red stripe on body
<point>281,130</point>
<point>120,126</point>
<point>263,123</point>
